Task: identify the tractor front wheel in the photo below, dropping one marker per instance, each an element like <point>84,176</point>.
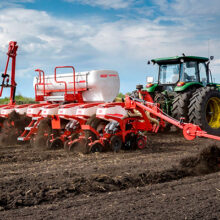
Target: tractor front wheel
<point>180,105</point>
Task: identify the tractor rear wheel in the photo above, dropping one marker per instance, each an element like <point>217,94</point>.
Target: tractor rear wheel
<point>180,105</point>
<point>204,109</point>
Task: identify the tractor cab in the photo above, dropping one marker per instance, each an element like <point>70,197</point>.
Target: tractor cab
<point>178,73</point>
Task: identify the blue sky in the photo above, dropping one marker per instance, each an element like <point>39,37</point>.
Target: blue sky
<point>107,34</point>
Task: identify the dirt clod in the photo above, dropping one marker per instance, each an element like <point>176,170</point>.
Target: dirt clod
<point>207,161</point>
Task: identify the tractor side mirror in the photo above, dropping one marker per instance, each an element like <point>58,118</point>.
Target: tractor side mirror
<point>148,62</point>
<point>211,57</point>
<point>150,79</point>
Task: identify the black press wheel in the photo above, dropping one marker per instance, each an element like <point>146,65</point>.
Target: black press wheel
<point>56,144</point>
<point>97,147</point>
<point>116,143</point>
<point>141,142</point>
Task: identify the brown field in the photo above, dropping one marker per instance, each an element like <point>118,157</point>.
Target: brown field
<point>154,183</point>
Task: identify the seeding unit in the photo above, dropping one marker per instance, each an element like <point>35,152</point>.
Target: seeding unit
<point>69,100</point>
<point>80,110</point>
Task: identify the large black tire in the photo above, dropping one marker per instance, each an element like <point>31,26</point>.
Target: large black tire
<point>180,105</point>
<point>200,112</point>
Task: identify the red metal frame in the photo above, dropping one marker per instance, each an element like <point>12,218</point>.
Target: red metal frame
<point>143,123</point>
<point>40,83</point>
<point>33,126</point>
<point>77,93</point>
<point>190,131</point>
<point>12,53</point>
<point>74,80</point>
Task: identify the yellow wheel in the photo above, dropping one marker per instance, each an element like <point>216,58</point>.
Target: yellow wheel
<point>204,109</point>
<point>213,112</point>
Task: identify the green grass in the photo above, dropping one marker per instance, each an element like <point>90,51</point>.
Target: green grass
<point>19,100</point>
<point>25,100</point>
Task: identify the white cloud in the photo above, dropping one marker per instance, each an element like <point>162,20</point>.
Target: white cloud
<point>216,62</point>
<point>125,45</point>
<point>40,34</point>
<point>14,3</point>
<point>194,8</point>
<point>107,4</point>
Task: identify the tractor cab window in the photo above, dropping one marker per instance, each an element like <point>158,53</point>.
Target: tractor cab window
<point>169,73</point>
<point>189,72</point>
<point>202,73</point>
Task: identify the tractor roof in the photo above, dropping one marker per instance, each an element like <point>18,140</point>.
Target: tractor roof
<point>177,59</point>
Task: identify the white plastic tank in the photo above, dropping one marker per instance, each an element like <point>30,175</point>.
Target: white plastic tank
<point>97,85</point>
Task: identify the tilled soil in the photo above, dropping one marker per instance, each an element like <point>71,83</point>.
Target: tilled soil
<point>171,179</point>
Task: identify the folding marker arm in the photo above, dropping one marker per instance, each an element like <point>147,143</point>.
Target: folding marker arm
<point>12,53</point>
<point>190,131</point>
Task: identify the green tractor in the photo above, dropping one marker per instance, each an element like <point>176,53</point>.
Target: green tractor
<point>185,89</point>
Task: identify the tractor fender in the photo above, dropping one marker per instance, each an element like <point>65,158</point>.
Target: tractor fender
<point>187,86</point>
<point>152,88</point>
